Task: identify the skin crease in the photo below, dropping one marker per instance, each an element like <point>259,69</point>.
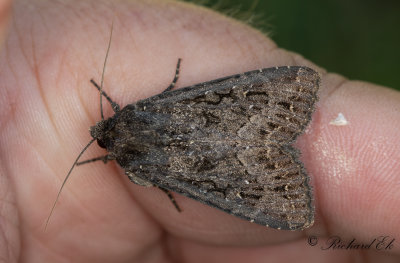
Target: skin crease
<point>49,54</point>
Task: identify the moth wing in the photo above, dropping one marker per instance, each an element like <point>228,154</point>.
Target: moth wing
<point>226,143</point>
<point>266,185</point>
<point>281,100</point>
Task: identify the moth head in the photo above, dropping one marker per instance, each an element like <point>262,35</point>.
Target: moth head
<point>98,131</point>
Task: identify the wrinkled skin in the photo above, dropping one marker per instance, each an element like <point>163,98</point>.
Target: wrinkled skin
<point>49,54</point>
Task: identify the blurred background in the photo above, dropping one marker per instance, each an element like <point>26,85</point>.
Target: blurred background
<point>359,39</point>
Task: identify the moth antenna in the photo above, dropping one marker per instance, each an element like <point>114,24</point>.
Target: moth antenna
<point>65,180</point>
<point>104,69</point>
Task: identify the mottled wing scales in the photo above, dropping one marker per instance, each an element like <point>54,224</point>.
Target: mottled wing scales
<point>281,187</point>
<point>228,144</point>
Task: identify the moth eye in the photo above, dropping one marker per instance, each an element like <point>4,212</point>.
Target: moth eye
<point>101,143</point>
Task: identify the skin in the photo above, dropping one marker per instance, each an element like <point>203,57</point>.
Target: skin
<point>49,54</point>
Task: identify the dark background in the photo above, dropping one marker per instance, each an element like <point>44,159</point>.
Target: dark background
<point>359,39</point>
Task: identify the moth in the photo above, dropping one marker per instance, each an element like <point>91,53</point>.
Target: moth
<point>225,143</point>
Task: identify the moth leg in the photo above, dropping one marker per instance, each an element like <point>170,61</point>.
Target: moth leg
<point>104,158</point>
<point>114,105</point>
<point>172,85</point>
<point>170,197</point>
